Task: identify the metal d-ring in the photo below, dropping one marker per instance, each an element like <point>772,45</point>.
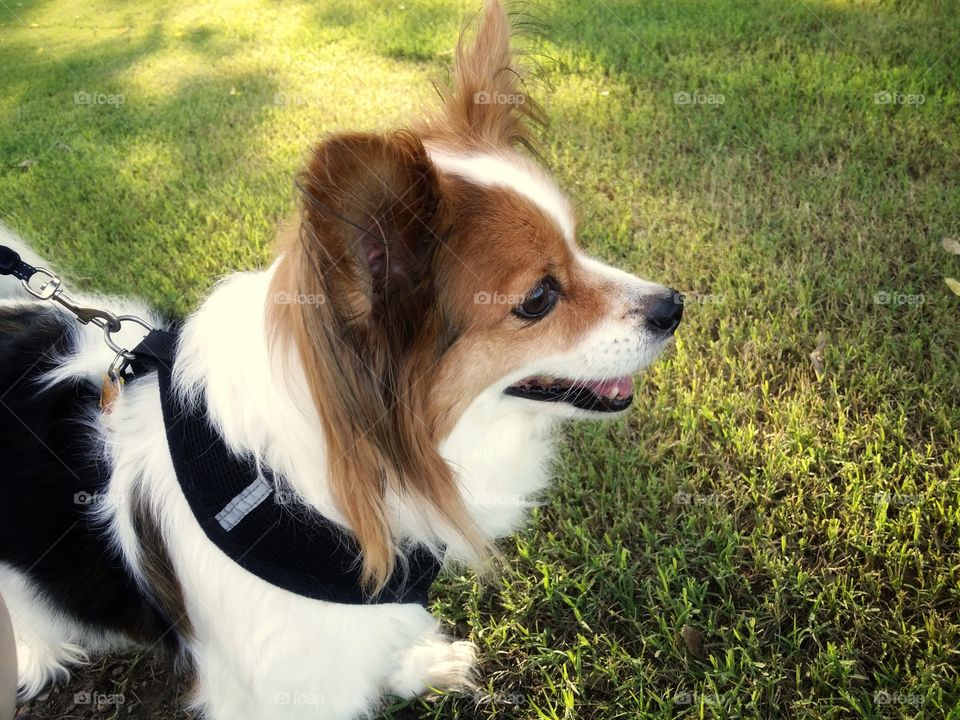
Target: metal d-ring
<point>118,366</point>
<point>111,343</point>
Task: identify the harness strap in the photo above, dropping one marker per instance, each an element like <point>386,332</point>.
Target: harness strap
<point>244,510</point>
<point>157,349</point>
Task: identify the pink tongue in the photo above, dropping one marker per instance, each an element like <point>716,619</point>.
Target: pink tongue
<point>624,386</point>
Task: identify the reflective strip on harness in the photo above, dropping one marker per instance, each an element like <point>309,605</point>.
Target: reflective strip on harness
<point>244,503</point>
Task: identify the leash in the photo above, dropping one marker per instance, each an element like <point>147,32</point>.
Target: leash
<point>47,285</point>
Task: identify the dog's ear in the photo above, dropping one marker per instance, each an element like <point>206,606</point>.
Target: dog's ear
<point>488,104</point>
<point>353,294</point>
<point>370,207</point>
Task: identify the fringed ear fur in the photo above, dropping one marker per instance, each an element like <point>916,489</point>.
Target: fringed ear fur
<point>488,105</point>
<point>365,327</point>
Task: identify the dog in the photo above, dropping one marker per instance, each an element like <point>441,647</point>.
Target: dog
<point>397,375</point>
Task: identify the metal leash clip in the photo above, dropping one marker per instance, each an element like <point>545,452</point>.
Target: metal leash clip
<point>51,288</point>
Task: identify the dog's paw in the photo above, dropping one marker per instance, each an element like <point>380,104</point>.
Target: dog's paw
<point>438,664</point>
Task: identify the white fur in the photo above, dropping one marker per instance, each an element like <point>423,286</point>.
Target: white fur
<point>48,641</point>
<point>516,173</point>
<point>263,653</point>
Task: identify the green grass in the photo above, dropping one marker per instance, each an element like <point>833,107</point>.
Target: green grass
<point>804,524</point>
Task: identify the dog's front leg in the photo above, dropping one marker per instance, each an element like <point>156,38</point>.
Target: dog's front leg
<point>435,663</point>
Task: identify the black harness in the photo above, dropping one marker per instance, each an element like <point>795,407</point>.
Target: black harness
<point>243,510</point>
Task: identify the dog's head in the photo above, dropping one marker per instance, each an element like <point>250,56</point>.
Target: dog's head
<point>443,265</point>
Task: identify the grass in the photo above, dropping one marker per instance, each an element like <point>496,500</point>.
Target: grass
<point>764,535</point>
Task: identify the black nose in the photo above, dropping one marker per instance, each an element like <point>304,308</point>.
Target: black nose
<point>661,313</point>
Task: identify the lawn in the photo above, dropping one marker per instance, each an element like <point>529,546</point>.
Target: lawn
<point>774,529</point>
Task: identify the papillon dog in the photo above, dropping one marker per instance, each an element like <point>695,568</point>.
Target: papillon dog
<point>400,369</point>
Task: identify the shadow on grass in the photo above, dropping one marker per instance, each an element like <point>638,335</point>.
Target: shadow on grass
<point>144,157</point>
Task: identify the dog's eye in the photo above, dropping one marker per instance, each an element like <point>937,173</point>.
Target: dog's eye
<point>539,301</point>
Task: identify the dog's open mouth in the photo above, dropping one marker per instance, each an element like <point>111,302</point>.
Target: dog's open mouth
<point>612,395</point>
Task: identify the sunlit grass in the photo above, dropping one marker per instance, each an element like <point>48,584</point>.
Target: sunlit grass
<point>805,524</point>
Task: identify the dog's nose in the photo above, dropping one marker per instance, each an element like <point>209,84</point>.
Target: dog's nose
<point>662,312</point>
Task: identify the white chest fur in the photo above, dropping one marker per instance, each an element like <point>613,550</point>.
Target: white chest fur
<point>500,454</point>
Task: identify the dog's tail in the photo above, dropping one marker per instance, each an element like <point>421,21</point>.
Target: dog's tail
<point>10,287</point>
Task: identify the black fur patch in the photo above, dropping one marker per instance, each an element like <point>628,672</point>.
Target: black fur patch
<point>50,469</point>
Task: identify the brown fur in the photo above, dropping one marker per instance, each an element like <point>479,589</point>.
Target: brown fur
<point>158,570</point>
<point>486,68</point>
<point>392,256</point>
<point>371,224</point>
<point>504,245</point>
